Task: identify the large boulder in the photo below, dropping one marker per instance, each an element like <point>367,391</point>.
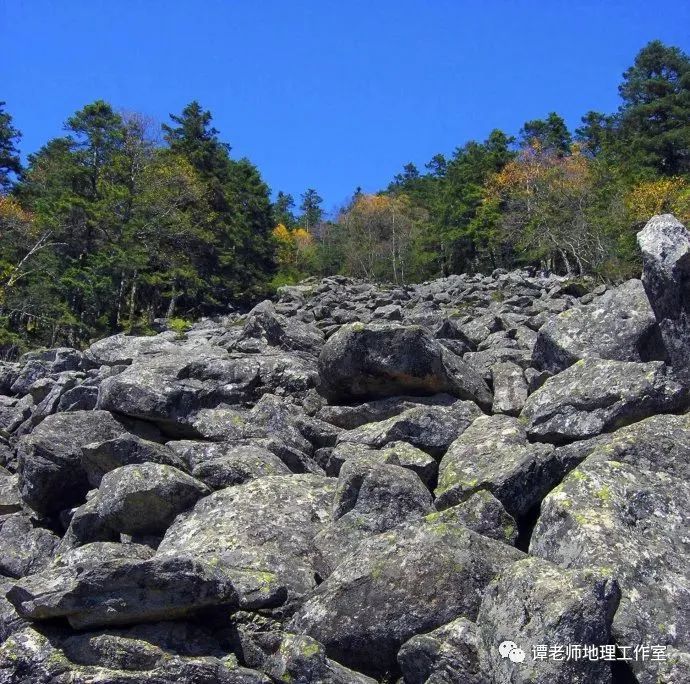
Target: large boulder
<point>25,549</point>
<point>370,498</point>
<point>265,527</point>
<point>536,603</point>
<point>160,653</point>
<point>51,475</point>
<point>447,655</point>
<point>494,454</point>
<point>619,325</point>
<point>398,584</point>
<point>141,499</point>
<point>264,327</point>
<point>625,510</point>
<point>123,592</point>
<point>665,246</point>
<point>597,395</point>
<point>430,428</point>
<point>382,360</point>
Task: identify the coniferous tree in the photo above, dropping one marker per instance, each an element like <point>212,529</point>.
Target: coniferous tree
<point>10,163</point>
<point>655,114</point>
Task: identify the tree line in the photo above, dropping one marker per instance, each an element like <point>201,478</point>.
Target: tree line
<point>120,222</point>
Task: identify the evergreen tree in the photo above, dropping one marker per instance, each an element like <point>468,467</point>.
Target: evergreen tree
<point>10,164</point>
<point>551,134</point>
<point>283,210</point>
<point>655,114</point>
<point>312,213</point>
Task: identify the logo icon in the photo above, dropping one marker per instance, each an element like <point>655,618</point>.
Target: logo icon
<point>509,649</point>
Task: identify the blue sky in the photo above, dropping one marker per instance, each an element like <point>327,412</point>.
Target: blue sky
<point>324,94</point>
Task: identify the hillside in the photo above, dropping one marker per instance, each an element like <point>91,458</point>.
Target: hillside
<point>357,483</point>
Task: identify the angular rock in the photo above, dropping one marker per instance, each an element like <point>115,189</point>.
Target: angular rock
<point>265,527</point>
<point>99,458</point>
<point>115,657</point>
<point>369,498</point>
<point>51,476</point>
<point>633,490</point>
<point>10,501</point>
<point>141,499</point>
<point>123,592</point>
<point>665,246</point>
<point>387,359</point>
<point>398,584</point>
<point>482,513</point>
<point>239,464</point>
<point>430,428</point>
<point>302,660</point>
<point>510,388</point>
<point>352,416</point>
<point>447,655</point>
<point>596,395</point>
<point>537,603</point>
<point>494,454</point>
<point>620,325</point>
<point>24,549</point>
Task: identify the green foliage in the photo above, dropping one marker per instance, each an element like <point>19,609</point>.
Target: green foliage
<point>108,229</point>
<point>10,164</point>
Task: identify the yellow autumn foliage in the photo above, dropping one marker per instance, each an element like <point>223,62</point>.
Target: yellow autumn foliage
<point>661,196</point>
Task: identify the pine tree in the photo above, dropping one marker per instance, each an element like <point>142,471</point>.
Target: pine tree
<point>10,163</point>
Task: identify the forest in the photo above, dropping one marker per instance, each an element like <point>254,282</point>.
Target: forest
<point>122,221</point>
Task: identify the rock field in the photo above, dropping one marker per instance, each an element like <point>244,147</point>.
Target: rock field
<point>358,483</point>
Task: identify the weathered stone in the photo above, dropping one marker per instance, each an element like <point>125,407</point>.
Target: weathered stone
<point>494,454</point>
<point>665,246</point>
<point>302,660</point>
<point>265,527</point>
<point>447,655</point>
<point>430,428</point>
<point>619,325</point>
<point>24,549</point>
<point>510,388</point>
<point>369,498</point>
<point>483,513</point>
<point>596,395</point>
<point>633,490</point>
<point>534,602</point>
<point>123,592</point>
<point>387,359</point>
<point>398,584</point>
<point>99,458</point>
<point>51,476</point>
<point>141,499</point>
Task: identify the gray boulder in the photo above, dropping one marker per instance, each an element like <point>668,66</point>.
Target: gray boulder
<point>99,458</point>
<point>633,490</point>
<point>141,499</point>
<point>494,454</point>
<point>370,498</point>
<point>619,325</point>
<point>536,603</point>
<point>123,592</point>
<point>398,584</point>
<point>302,660</point>
<point>665,246</point>
<point>596,395</point>
<point>447,655</point>
<point>265,527</point>
<point>388,359</point>
<point>25,549</point>
<point>157,653</point>
<point>51,476</point>
<point>430,428</point>
<point>510,388</point>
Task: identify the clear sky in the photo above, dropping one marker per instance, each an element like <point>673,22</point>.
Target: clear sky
<point>321,93</point>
